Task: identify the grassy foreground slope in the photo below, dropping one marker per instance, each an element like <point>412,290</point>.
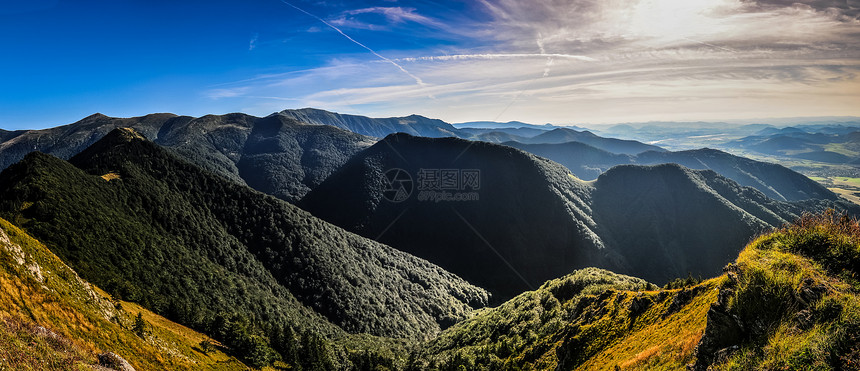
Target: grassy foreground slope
<point>51,319</point>
<point>789,301</point>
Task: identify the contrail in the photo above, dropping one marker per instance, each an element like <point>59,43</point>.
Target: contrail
<point>416,78</point>
<point>497,56</point>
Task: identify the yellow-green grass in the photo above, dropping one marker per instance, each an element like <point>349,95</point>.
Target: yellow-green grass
<point>847,194</point>
<point>652,342</point>
<point>773,272</point>
<point>840,149</point>
<point>846,180</point>
<point>37,290</point>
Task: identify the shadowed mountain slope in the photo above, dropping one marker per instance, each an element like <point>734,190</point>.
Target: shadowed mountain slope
<point>181,240</point>
<point>530,222</point>
<point>530,218</point>
<point>668,218</point>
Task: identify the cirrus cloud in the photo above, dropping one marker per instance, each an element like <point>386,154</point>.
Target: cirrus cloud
<point>569,61</point>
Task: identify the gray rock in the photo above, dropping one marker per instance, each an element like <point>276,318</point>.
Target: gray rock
<point>114,362</point>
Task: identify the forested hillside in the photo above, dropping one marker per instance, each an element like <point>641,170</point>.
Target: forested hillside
<point>151,228</point>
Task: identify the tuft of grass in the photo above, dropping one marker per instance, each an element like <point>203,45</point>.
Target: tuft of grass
<point>657,339</point>
<point>796,295</point>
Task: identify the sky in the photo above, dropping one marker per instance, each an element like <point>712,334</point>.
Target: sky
<point>538,61</point>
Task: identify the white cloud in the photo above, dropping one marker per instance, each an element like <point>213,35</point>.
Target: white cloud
<point>253,43</point>
<point>489,56</point>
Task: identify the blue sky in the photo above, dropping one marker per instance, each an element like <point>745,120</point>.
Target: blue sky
<point>560,61</point>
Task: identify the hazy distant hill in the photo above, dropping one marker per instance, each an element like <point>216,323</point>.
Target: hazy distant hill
<point>502,125</point>
<point>829,144</point>
<point>533,219</point>
<point>484,131</point>
<point>775,181</point>
<point>276,155</point>
<point>523,133</point>
<point>154,229</point>
<point>562,135</point>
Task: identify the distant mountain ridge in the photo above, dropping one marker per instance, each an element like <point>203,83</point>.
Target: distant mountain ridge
<point>375,127</point>
<point>828,144</point>
<point>432,128</point>
<point>274,154</point>
<point>285,157</point>
<point>775,181</point>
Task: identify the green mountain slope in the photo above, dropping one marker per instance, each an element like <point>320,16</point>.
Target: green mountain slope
<point>790,301</point>
<point>189,244</point>
<point>51,319</point>
<point>275,155</point>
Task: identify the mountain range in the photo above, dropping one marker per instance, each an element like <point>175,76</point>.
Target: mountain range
<point>230,241</point>
<point>775,181</point>
<point>835,145</point>
<point>274,154</point>
<point>530,219</point>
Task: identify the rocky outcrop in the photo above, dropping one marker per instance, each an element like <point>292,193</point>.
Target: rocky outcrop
<point>724,330</point>
<point>113,361</point>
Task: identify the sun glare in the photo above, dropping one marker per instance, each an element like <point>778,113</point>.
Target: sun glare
<point>668,19</point>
